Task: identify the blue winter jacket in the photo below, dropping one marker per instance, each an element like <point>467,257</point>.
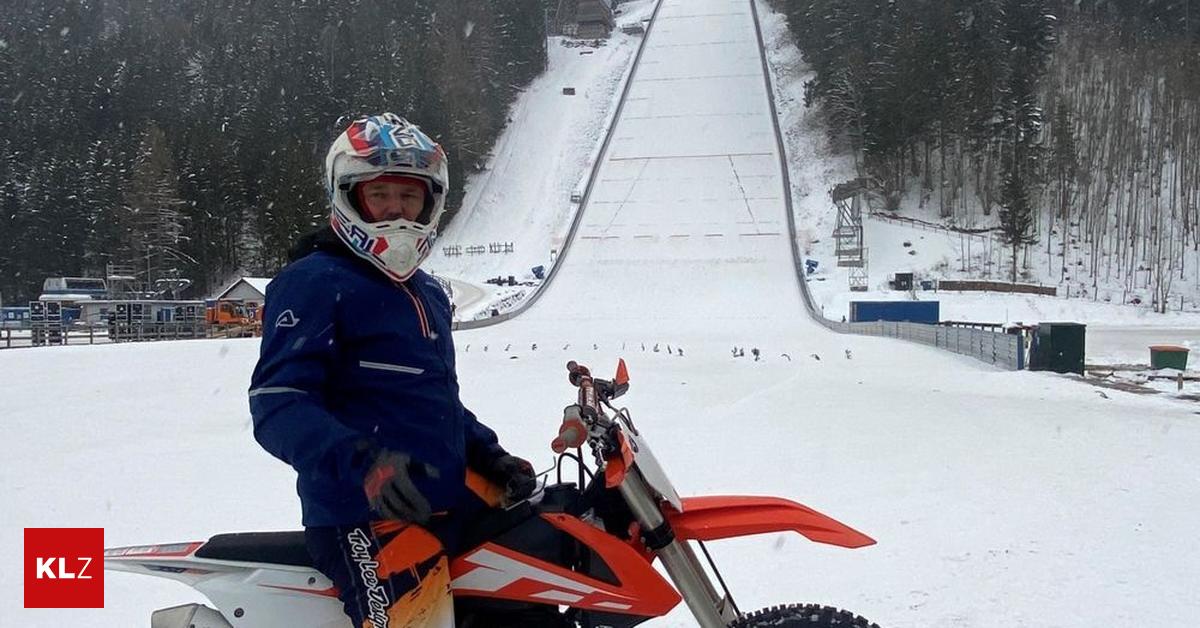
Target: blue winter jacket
<point>351,361</point>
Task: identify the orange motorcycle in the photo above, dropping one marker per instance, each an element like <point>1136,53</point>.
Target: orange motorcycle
<point>576,554</point>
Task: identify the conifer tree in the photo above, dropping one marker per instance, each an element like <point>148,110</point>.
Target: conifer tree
<point>154,226</point>
<point>1016,211</point>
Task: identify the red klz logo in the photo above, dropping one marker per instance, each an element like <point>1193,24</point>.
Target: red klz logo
<point>64,568</point>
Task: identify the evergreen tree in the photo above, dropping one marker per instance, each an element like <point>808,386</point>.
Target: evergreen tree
<point>1064,158</point>
<point>1030,36</point>
<point>1016,211</point>
<point>153,221</point>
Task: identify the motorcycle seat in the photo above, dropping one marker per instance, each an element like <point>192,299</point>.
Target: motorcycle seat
<point>289,548</point>
<point>277,548</point>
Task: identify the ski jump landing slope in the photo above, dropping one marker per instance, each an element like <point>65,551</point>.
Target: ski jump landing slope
<point>684,233</point>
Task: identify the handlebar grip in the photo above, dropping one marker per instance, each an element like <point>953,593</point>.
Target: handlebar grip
<point>572,433</point>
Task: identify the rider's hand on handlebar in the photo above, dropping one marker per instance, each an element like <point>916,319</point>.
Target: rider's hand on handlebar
<point>515,474</point>
<point>390,489</point>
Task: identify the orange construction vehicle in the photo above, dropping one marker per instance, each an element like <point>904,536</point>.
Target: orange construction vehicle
<point>233,318</point>
<point>230,312</point>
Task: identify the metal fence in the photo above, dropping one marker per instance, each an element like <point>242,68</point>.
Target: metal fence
<point>1001,349</point>
<point>17,338</point>
<point>42,335</point>
<point>996,286</point>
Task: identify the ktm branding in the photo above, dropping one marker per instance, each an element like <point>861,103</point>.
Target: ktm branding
<point>63,568</point>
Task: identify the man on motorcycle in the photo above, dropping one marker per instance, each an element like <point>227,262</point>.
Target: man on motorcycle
<point>356,386</point>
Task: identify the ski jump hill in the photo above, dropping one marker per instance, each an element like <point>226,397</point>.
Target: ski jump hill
<point>683,232</point>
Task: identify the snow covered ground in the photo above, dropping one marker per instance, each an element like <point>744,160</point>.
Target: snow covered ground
<point>998,499</point>
<point>1131,345</point>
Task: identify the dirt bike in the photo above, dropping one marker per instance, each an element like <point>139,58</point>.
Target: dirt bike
<point>576,554</point>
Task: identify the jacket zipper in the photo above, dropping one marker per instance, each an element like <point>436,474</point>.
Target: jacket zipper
<point>420,307</point>
<point>441,349</point>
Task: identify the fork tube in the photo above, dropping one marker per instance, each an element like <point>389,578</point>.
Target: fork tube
<point>678,558</point>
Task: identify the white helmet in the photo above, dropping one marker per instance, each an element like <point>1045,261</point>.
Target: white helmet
<point>371,147</point>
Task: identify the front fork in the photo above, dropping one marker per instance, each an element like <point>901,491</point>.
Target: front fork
<point>709,607</point>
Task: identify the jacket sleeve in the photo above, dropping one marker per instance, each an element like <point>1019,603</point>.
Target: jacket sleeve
<point>287,389</point>
<point>483,448</point>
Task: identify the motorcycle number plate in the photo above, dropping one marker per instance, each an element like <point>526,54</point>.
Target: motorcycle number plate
<point>652,471</point>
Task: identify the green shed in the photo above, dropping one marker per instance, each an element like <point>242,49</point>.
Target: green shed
<point>1058,347</point>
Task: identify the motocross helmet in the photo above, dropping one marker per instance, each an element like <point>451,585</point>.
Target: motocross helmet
<point>371,147</point>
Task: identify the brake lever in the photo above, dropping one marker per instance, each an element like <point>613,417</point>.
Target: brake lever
<point>544,476</point>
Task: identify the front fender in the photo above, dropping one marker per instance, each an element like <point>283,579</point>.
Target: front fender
<point>724,516</point>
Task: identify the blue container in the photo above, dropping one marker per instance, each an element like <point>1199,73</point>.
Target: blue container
<point>895,311</point>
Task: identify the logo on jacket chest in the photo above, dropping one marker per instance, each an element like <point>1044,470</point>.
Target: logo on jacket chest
<point>287,319</point>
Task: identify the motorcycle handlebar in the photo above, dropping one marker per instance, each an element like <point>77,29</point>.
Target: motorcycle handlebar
<point>587,413</point>
<point>581,377</point>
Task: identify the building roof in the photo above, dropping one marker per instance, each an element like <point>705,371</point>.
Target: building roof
<point>65,296</point>
<point>258,283</point>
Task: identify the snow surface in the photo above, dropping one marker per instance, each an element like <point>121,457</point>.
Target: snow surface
<point>998,499</point>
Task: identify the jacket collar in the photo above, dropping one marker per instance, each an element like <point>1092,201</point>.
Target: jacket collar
<point>324,239</point>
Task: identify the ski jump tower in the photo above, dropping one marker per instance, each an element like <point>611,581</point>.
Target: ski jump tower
<point>849,198</point>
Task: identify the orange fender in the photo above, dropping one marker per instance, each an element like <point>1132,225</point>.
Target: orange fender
<point>720,517</point>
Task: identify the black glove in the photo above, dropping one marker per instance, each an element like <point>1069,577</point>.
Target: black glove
<point>390,489</point>
<point>514,474</point>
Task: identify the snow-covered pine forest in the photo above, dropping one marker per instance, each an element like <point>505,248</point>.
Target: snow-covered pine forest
<point>186,138</point>
<point>1071,128</point>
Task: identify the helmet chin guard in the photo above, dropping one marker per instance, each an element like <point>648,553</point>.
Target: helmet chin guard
<point>374,146</point>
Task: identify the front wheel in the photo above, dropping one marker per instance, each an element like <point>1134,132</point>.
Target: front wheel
<point>802,616</point>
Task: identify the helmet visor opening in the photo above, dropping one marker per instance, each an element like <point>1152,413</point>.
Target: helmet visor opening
<point>391,197</point>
